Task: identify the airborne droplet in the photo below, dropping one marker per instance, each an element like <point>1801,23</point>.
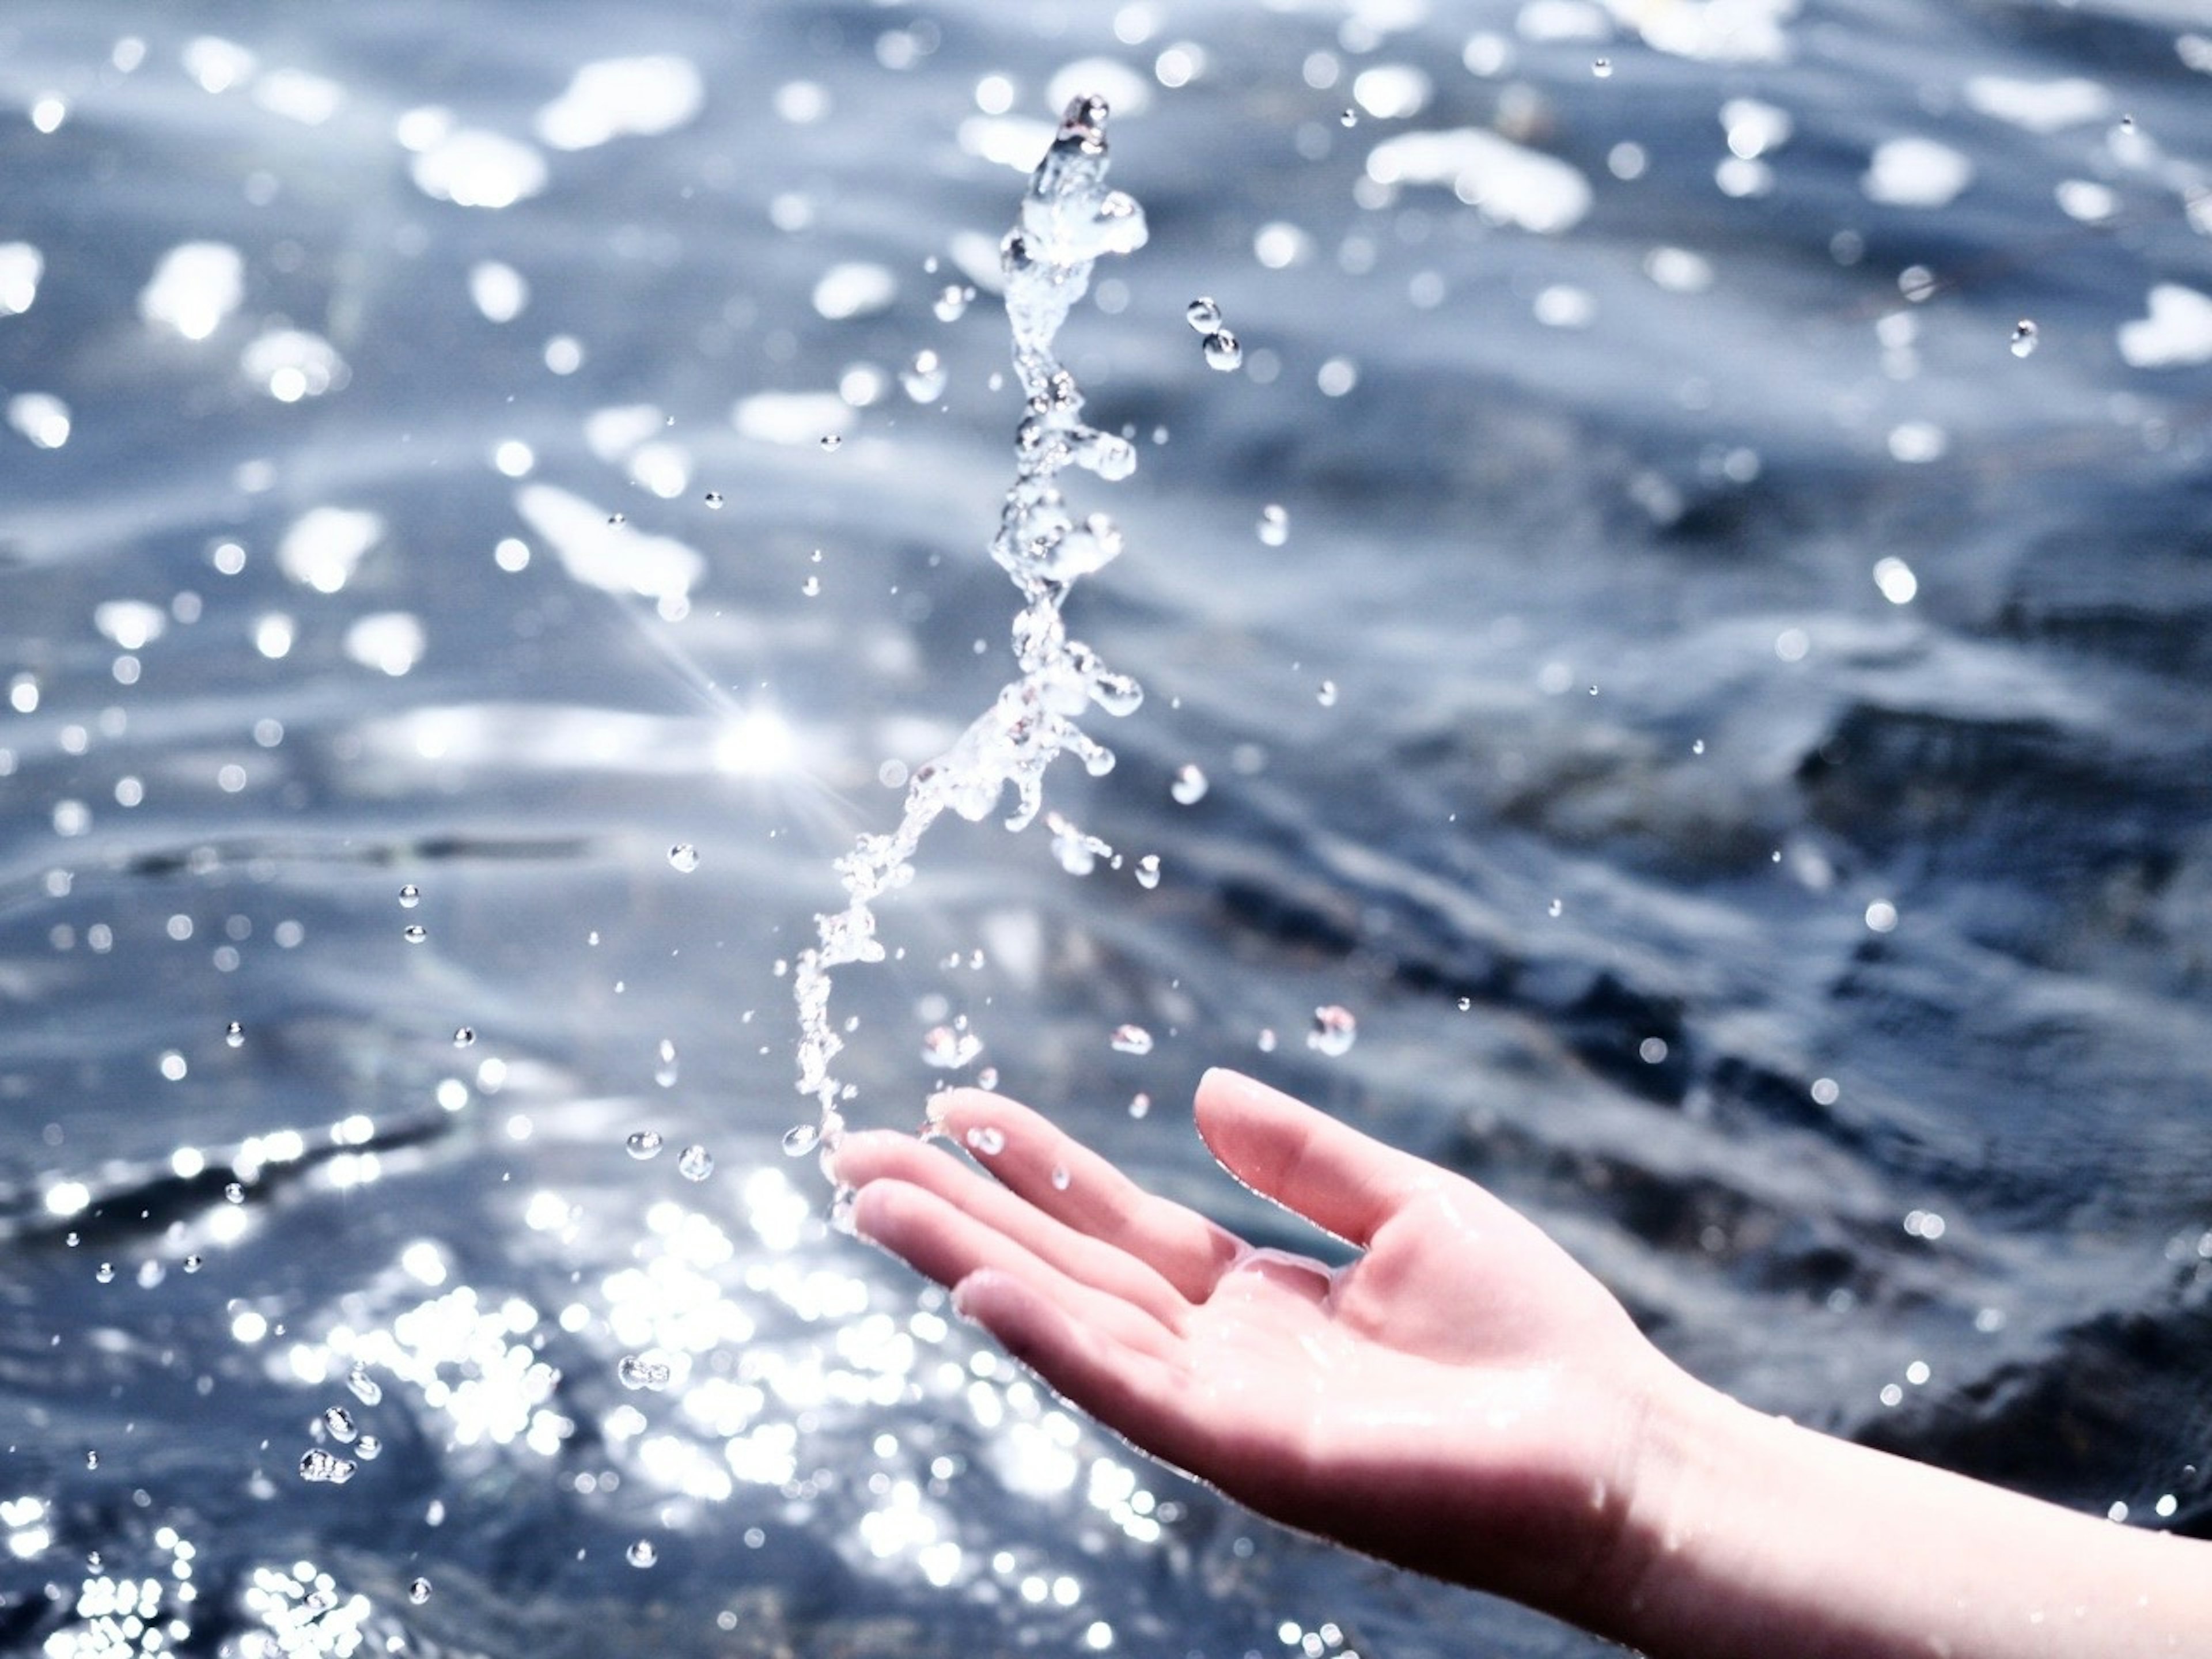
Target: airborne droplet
<point>1275,525</point>
<point>465,1037</point>
<point>419,1591</point>
<point>1601,68</point>
<point>1203,315</point>
<point>1334,1029</point>
<point>644,1144</point>
<point>234,1035</point>
<point>1189,786</point>
<point>326,1467</point>
<point>949,1050</point>
<point>800,1139</point>
<point>924,379</point>
<point>2024,337</point>
<point>684,856</point>
<point>695,1163</point>
<point>637,1372</point>
<point>414,932</point>
<point>363,1387</point>
<point>339,1421</point>
<point>1131,1039</point>
<point>1223,352</point>
<point>1148,870</point>
<point>641,1553</point>
<point>410,897</point>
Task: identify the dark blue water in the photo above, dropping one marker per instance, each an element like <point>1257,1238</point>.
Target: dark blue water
<point>1819,946</point>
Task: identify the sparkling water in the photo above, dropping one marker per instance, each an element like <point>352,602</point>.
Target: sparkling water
<point>1068,219</point>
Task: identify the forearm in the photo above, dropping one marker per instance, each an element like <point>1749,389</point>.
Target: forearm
<point>1757,1537</point>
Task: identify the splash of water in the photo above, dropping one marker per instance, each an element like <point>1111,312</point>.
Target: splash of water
<point>1068,219</point>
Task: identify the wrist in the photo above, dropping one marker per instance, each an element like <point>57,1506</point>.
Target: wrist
<point>1678,1445</point>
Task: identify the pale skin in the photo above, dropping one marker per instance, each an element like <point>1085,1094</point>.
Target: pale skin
<point>1464,1400</point>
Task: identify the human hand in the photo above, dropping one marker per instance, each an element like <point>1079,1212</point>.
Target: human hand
<point>1461,1398</point>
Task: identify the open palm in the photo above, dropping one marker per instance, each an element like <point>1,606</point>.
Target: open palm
<point>1461,1398</point>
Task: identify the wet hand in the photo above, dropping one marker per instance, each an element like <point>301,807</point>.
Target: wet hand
<point>1461,1398</point>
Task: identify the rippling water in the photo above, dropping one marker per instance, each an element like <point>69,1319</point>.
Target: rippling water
<point>1726,726</point>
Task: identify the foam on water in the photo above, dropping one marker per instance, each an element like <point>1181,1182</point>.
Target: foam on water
<point>1068,219</point>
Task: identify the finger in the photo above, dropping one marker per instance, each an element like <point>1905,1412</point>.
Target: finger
<point>1068,1180</point>
<point>874,1155</point>
<point>946,1244</point>
<point>1306,1160</point>
<point>1146,1397</point>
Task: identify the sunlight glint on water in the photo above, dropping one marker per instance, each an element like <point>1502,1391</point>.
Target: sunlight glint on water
<point>1069,218</point>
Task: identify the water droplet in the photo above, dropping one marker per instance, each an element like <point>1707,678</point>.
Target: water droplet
<point>924,377</point>
<point>641,1553</point>
<point>192,1264</point>
<point>1334,1029</point>
<point>92,1460</point>
<point>986,1140</point>
<point>410,897</point>
<point>234,1035</point>
<point>831,441</point>
<point>1203,315</point>
<point>1140,1104</point>
<point>1325,694</point>
<point>1350,118</point>
<point>714,501</point>
<point>105,1272</point>
<point>1060,1178</point>
<point>419,1591</point>
<point>695,1163</point>
<point>637,1372</point>
<point>339,1421</point>
<point>1189,786</point>
<point>1555,906</point>
<point>1698,747</point>
<point>414,932</point>
<point>465,1037</point>
<point>2024,337</point>
<point>684,856</point>
<point>644,1144</point>
<point>363,1387</point>
<point>1148,870</point>
<point>618,518</point>
<point>811,587</point>
<point>1601,68</point>
<point>368,1449</point>
<point>951,302</point>
<point>1131,1039</point>
<point>1275,525</point>
<point>326,1467</point>
<point>2127,124</point>
<point>1466,1004</point>
<point>234,1192</point>
<point>1223,352</point>
<point>800,1139</point>
<point>948,1049</point>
